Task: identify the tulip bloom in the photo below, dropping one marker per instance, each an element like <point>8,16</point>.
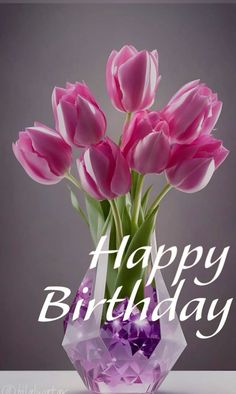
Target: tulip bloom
<point>43,154</point>
<point>145,143</point>
<point>132,78</point>
<point>192,166</point>
<point>103,171</point>
<point>192,111</point>
<point>78,117</point>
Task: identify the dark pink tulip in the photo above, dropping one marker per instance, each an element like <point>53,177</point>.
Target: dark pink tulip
<point>145,143</point>
<point>192,111</point>
<point>103,171</point>
<point>78,118</point>
<point>132,78</point>
<point>43,154</point>
<point>192,166</point>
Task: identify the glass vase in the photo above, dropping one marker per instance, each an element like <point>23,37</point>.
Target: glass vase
<point>121,356</point>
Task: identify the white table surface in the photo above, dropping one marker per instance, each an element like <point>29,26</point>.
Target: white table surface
<point>69,382</point>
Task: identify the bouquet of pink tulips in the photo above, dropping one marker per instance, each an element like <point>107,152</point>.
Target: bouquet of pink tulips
<point>176,140</point>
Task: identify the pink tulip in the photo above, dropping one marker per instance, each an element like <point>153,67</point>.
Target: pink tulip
<point>43,154</point>
<point>132,78</point>
<point>78,117</point>
<point>192,166</point>
<point>103,171</point>
<point>192,111</point>
<point>145,143</point>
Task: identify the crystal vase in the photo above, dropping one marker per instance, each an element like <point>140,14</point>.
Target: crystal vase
<point>121,356</point>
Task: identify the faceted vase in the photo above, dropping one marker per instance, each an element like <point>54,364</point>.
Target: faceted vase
<point>131,356</point>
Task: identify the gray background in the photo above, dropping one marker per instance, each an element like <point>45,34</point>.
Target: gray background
<point>43,242</point>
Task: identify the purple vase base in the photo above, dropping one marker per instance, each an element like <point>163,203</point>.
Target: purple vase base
<point>120,356</point>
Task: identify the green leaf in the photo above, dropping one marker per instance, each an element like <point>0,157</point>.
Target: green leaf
<point>126,221</point>
<point>95,217</point>
<point>121,204</point>
<point>128,203</point>
<point>134,180</point>
<point>105,207</point>
<point>76,206</point>
<point>106,224</point>
<point>111,272</point>
<point>128,277</point>
<point>140,217</point>
<point>145,198</point>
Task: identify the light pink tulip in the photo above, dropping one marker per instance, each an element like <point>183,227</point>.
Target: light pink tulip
<point>132,78</point>
<point>192,166</point>
<point>78,118</point>
<point>43,154</point>
<point>192,111</point>
<point>145,143</point>
<point>103,171</point>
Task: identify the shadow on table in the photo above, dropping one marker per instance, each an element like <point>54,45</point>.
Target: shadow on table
<point>172,392</point>
<point>158,392</point>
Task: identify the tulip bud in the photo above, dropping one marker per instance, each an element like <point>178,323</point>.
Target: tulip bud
<point>43,154</point>
<point>192,166</point>
<point>192,111</point>
<point>78,117</point>
<point>103,171</point>
<point>145,143</point>
<point>132,78</point>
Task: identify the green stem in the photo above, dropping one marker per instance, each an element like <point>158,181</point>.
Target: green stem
<point>158,199</point>
<point>128,117</point>
<point>118,223</point>
<point>137,203</point>
<point>73,180</point>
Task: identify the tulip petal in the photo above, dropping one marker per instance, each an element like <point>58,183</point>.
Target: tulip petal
<point>56,96</point>
<point>116,59</point>
<point>121,179</point>
<point>124,54</point>
<point>82,90</point>
<point>91,123</point>
<point>67,120</point>
<point>151,154</point>
<point>191,175</point>
<point>181,114</point>
<point>88,184</point>
<point>36,167</point>
<point>133,77</point>
<point>51,146</point>
<point>192,111</point>
<point>79,119</point>
<point>193,131</point>
<point>211,121</point>
<point>40,125</point>
<point>113,87</point>
<point>180,153</point>
<point>103,170</point>
<point>151,82</point>
<point>220,156</point>
<point>137,129</point>
<point>99,168</point>
<point>187,87</point>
